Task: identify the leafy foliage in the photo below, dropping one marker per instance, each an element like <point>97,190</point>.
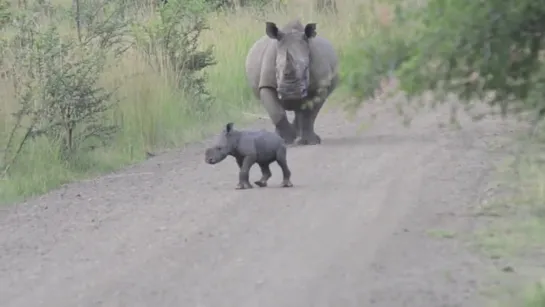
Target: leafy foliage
<point>56,76</point>
<point>171,46</point>
<point>481,50</point>
<point>55,81</point>
<point>232,5</point>
<point>326,5</point>
<point>5,13</point>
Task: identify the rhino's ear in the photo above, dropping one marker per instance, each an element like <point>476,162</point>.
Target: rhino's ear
<point>228,128</point>
<point>272,30</point>
<point>310,30</point>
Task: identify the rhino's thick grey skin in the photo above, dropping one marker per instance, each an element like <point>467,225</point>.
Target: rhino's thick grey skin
<point>293,69</point>
<point>250,147</point>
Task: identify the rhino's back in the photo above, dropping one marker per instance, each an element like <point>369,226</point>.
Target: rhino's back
<point>262,142</point>
<point>260,64</point>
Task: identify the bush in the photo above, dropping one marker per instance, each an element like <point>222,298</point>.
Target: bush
<point>326,5</point>
<point>54,81</point>
<point>170,45</point>
<point>5,14</point>
<point>477,51</point>
<point>54,78</point>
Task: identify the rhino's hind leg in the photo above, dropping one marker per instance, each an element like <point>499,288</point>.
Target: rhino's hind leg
<point>277,114</point>
<point>308,118</point>
<point>266,175</point>
<point>281,159</point>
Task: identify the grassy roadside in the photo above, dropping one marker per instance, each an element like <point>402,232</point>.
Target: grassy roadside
<point>152,116</point>
<point>514,232</point>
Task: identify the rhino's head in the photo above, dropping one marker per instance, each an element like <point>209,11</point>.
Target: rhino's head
<point>226,141</point>
<point>292,60</point>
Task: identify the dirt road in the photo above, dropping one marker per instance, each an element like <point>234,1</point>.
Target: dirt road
<point>354,231</point>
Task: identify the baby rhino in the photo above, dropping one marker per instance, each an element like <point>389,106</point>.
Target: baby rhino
<point>249,147</point>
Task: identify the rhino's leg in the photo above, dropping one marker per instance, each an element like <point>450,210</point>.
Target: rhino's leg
<point>281,159</point>
<point>266,175</point>
<point>297,123</point>
<point>308,136</point>
<point>277,114</point>
<point>244,173</point>
<point>308,117</point>
<point>239,160</point>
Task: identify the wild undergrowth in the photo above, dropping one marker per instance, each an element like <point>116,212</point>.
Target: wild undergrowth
<point>89,86</point>
<point>514,234</point>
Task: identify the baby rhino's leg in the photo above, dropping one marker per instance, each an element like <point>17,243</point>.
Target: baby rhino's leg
<point>244,173</point>
<point>281,159</point>
<point>266,174</point>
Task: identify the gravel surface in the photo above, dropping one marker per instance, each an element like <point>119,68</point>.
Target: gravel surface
<point>353,231</point>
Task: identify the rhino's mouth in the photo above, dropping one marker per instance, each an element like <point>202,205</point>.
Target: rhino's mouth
<point>211,161</point>
<point>285,95</point>
<point>294,90</point>
<point>214,156</point>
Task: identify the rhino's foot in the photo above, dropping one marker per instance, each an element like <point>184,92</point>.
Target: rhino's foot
<point>286,131</point>
<point>312,139</point>
<point>261,183</point>
<point>244,186</point>
<point>286,183</point>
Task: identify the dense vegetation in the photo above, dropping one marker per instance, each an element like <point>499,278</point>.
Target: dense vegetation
<point>487,51</point>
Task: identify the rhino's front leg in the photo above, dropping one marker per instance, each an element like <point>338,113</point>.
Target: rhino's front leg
<point>244,173</point>
<point>277,114</point>
<point>307,120</point>
<point>297,123</point>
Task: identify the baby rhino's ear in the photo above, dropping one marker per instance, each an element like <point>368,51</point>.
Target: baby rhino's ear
<point>228,127</point>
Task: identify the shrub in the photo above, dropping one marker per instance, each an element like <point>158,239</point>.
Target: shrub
<point>171,45</point>
<point>477,51</point>
<point>55,81</point>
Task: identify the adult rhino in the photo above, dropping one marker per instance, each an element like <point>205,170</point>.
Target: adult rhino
<point>293,69</point>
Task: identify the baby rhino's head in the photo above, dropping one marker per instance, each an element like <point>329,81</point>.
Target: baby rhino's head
<point>225,143</point>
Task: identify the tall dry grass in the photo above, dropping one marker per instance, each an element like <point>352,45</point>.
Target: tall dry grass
<point>153,116</point>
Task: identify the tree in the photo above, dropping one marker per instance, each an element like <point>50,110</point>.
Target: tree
<point>489,51</point>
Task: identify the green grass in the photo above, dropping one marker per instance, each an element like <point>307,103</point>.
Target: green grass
<point>519,217</point>
<point>515,233</point>
<point>534,296</point>
<point>441,234</point>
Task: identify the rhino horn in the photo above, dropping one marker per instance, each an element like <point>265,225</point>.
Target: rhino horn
<point>290,68</point>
